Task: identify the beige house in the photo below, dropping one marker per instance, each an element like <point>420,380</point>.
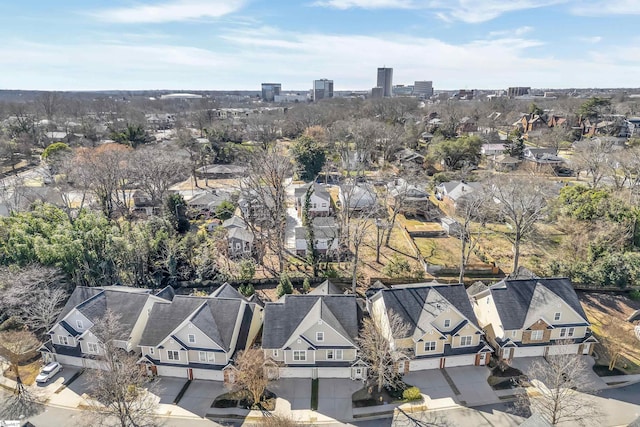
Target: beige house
<point>196,337</point>
<point>442,327</point>
<point>313,336</point>
<point>533,317</point>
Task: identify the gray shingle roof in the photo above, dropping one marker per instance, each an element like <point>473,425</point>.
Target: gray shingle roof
<point>282,318</point>
<point>127,305</point>
<point>318,190</point>
<point>167,293</point>
<point>513,298</point>
<point>417,305</point>
<point>326,288</point>
<point>234,221</point>
<point>164,318</point>
<point>226,291</point>
<point>240,234</point>
<point>80,294</point>
<point>217,319</point>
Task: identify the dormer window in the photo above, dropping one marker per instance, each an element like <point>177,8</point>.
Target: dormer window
<point>319,336</point>
<point>79,324</point>
<point>557,316</point>
<point>447,323</point>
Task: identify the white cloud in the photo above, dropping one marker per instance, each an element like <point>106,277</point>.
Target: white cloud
<point>515,32</point>
<point>470,11</point>
<point>176,10</point>
<point>606,7</point>
<point>592,40</point>
<point>244,57</point>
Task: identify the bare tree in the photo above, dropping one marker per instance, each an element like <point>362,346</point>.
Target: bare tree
<point>49,102</point>
<point>471,208</point>
<point>251,375</point>
<point>592,156</point>
<point>264,129</point>
<point>561,383</point>
<point>521,201</point>
<point>615,339</point>
<point>358,231</point>
<point>264,197</point>
<point>380,352</point>
<point>18,346</point>
<point>155,171</point>
<point>120,390</point>
<point>188,143</point>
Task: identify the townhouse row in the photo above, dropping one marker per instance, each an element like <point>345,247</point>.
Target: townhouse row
<point>316,335</point>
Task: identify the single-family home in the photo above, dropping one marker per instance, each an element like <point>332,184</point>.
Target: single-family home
<point>206,202</point>
<point>326,238</point>
<point>467,125</point>
<point>197,337</point>
<point>533,317</point>
<point>319,203</point>
<point>357,197</point>
<point>542,156</point>
<point>492,150</point>
<point>450,193</point>
<point>143,202</point>
<point>221,171</point>
<point>411,198</point>
<point>442,330</point>
<point>240,242</point>
<point>72,340</point>
<point>313,336</point>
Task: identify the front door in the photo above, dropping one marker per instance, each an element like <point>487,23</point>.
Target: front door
<point>189,374</point>
<point>506,353</point>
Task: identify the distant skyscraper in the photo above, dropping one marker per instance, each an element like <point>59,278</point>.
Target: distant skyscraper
<point>423,88</point>
<point>377,92</point>
<point>385,80</point>
<point>270,90</point>
<point>322,89</point>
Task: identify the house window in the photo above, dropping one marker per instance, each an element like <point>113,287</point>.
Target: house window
<point>152,350</point>
<point>299,355</point>
<point>447,323</point>
<point>429,346</point>
<point>275,353</point>
<point>92,347</point>
<point>536,335</point>
<point>358,371</point>
<point>566,332</point>
<point>202,356</point>
<point>338,354</point>
<point>192,339</point>
<point>238,246</point>
<point>319,336</point>
<point>324,205</point>
<point>79,324</point>
<point>556,316</point>
<point>173,355</point>
<point>514,333</point>
<point>63,340</point>
<point>465,341</point>
<point>330,355</point>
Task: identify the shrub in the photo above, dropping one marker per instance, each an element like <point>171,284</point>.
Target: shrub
<point>412,393</point>
<point>247,269</point>
<point>284,287</point>
<point>246,289</point>
<point>306,286</point>
<point>397,267</point>
<point>635,294</point>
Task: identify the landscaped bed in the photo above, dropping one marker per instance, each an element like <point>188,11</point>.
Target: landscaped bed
<point>370,396</point>
<point>506,377</point>
<point>603,371</point>
<point>239,399</point>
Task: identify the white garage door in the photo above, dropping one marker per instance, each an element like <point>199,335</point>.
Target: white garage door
<point>529,351</point>
<point>296,372</point>
<point>564,349</point>
<point>422,364</point>
<point>172,371</point>
<point>462,360</point>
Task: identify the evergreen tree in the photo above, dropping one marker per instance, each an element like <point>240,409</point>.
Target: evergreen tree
<point>284,287</point>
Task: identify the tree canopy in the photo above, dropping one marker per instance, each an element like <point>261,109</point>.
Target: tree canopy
<point>309,156</point>
<point>456,153</point>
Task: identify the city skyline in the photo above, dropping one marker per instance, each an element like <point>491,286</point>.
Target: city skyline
<point>238,44</point>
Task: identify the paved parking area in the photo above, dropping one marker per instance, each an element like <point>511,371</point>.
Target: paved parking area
<point>296,390</point>
<point>472,383</point>
<point>595,382</point>
<point>167,388</point>
<point>200,395</point>
<point>335,396</point>
<point>431,382</point>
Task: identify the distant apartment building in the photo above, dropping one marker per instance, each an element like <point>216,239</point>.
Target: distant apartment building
<point>518,91</point>
<point>322,89</point>
<point>291,97</point>
<point>423,88</point>
<point>377,92</point>
<point>270,90</point>
<point>385,81</point>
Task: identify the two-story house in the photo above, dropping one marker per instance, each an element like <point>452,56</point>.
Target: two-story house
<point>72,341</point>
<point>313,336</point>
<point>533,317</point>
<point>441,326</point>
<point>320,200</point>
<point>326,235</point>
<point>197,337</point>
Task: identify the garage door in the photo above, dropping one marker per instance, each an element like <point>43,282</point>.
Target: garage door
<point>462,360</point>
<point>422,364</point>
<point>564,349</point>
<point>529,351</point>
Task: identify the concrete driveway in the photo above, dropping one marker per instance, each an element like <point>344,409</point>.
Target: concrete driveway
<point>471,382</point>
<point>431,382</point>
<point>200,395</point>
<point>295,390</point>
<point>594,381</point>
<point>334,397</point>
<point>167,388</point>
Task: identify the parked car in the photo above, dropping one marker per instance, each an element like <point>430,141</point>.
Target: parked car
<point>48,372</point>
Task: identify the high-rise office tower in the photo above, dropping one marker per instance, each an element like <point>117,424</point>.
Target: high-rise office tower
<point>385,80</point>
<point>270,90</point>
<point>423,88</point>
<point>322,89</point>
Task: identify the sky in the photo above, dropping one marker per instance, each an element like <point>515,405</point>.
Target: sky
<point>237,44</point>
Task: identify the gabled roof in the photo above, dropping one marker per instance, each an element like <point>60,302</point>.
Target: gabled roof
<point>208,199</point>
<point>318,191</point>
<point>216,318</point>
<point>520,300</point>
<point>226,291</point>
<point>282,318</point>
<point>167,293</point>
<point>318,232</point>
<point>79,295</point>
<point>126,303</point>
<point>326,288</point>
<point>234,222</point>
<point>240,234</point>
<point>164,318</point>
<point>418,305</point>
